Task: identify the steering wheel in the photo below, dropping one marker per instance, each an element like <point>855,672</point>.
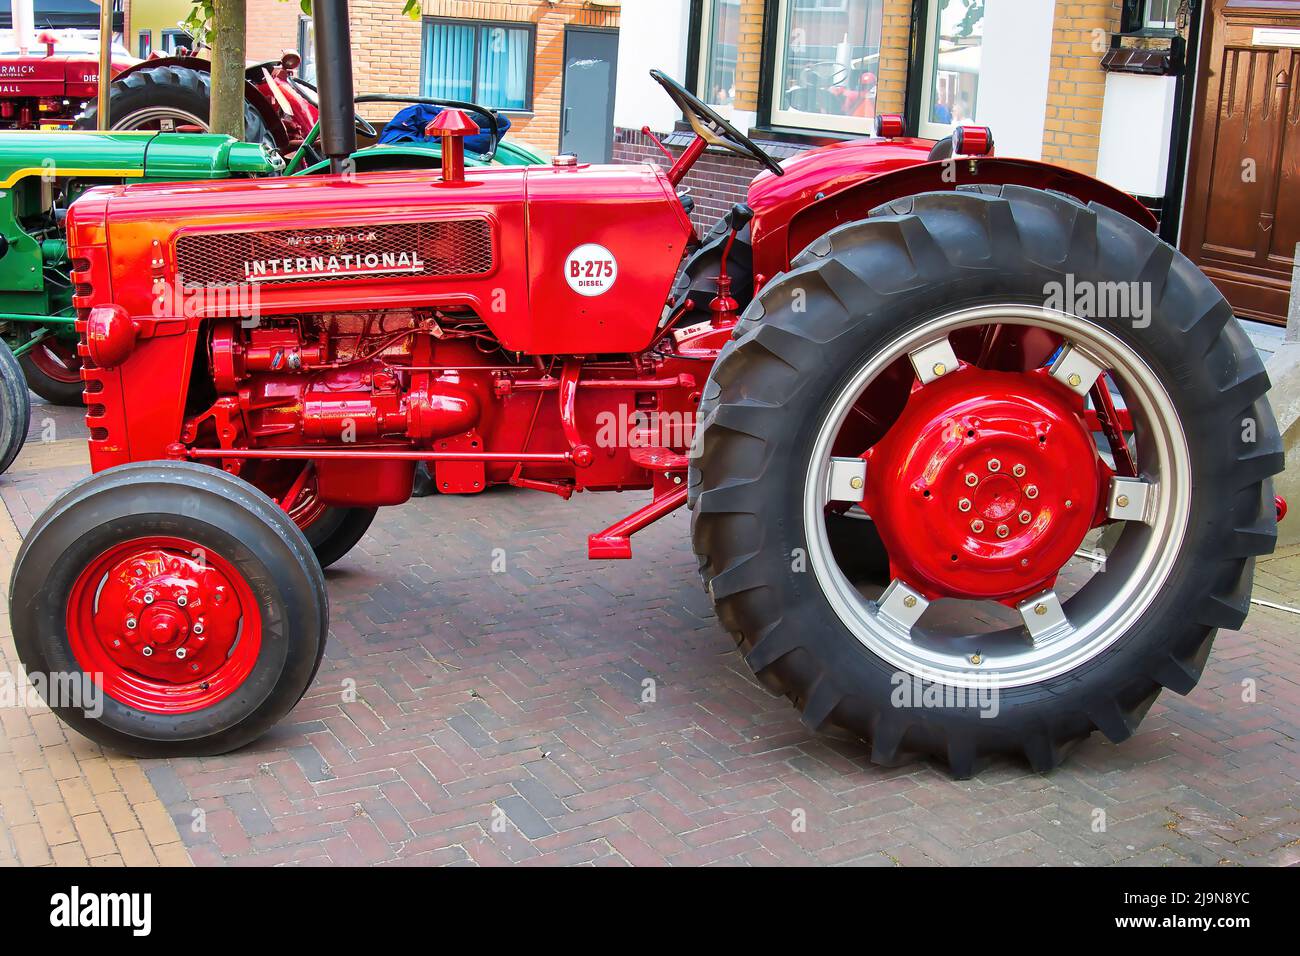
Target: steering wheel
<point>309,91</point>
<point>711,127</point>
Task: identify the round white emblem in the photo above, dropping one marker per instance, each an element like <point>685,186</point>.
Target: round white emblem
<point>591,269</point>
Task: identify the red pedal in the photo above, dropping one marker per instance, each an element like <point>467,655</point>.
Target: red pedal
<point>659,459</point>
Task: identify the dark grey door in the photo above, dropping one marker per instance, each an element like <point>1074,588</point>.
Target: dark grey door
<point>587,109</point>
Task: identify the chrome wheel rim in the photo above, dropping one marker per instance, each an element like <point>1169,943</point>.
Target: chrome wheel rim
<point>141,119</point>
<point>1104,608</point>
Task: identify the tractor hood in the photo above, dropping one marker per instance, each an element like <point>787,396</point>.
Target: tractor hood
<point>131,156</point>
<point>555,259</point>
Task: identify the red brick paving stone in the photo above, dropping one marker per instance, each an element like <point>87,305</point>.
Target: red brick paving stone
<point>523,690</point>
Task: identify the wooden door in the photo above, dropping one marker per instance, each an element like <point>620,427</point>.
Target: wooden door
<point>1243,194</point>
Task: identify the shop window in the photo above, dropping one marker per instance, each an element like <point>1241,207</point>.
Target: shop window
<point>826,65</point>
<point>173,40</point>
<point>951,78</point>
<point>719,53</point>
<point>486,63</point>
<point>307,49</point>
<point>145,43</point>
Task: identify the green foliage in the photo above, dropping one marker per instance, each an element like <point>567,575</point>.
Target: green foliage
<point>974,14</point>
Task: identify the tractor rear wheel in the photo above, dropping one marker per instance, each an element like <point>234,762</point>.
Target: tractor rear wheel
<point>188,599</point>
<point>53,371</point>
<point>168,98</point>
<point>15,408</point>
<point>937,366</point>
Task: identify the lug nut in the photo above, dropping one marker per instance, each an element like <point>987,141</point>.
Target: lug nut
<point>198,627</point>
<point>147,651</point>
<point>131,623</point>
<point>181,601</point>
<point>994,464</point>
<point>963,505</point>
<point>1026,517</point>
<point>180,653</point>
<point>1031,491</point>
<point>977,526</point>
<point>1003,531</point>
<point>148,597</point>
<point>1018,471</point>
<point>971,479</point>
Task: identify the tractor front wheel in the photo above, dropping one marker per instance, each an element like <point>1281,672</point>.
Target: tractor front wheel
<point>1070,497</point>
<point>168,609</point>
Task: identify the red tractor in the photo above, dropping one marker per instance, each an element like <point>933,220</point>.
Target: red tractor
<point>942,496</point>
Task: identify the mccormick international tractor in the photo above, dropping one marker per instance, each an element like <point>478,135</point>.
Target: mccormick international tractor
<point>927,466</point>
<point>43,172</point>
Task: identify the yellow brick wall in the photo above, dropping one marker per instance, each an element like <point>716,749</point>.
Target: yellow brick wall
<point>749,59</point>
<point>386,47</point>
<point>895,46</point>
<point>1076,86</point>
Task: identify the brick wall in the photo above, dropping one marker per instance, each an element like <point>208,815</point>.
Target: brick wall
<point>895,46</point>
<point>272,28</point>
<point>749,59</point>
<point>717,182</point>
<point>386,48</point>
<point>1076,86</point>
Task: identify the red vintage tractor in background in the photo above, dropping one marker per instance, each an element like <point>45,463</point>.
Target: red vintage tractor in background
<point>922,471</point>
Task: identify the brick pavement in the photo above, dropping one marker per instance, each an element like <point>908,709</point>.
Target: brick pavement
<point>463,716</point>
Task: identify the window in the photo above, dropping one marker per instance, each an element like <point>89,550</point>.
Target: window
<point>1161,14</point>
<point>307,49</point>
<point>486,63</point>
<point>173,40</point>
<point>719,49</point>
<point>145,43</point>
<point>950,84</point>
<point>827,58</point>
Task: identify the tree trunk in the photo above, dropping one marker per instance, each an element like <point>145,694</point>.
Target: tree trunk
<point>228,46</point>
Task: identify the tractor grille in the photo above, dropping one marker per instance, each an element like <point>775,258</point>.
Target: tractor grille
<point>447,248</point>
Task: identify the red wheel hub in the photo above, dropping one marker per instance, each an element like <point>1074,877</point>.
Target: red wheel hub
<point>165,625</point>
<point>985,485</point>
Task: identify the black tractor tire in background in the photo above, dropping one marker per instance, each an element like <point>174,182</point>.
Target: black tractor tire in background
<point>15,408</point>
<point>224,516</point>
<point>337,531</point>
<point>868,284</point>
<point>172,88</point>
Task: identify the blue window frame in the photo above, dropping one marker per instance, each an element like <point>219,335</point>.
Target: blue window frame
<point>478,61</point>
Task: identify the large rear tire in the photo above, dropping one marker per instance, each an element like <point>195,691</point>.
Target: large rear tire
<point>15,408</point>
<point>189,599</point>
<point>166,97</point>
<point>864,304</point>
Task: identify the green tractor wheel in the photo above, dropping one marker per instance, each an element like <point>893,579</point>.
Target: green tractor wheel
<point>15,408</point>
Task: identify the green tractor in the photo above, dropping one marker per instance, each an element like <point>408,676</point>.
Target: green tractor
<point>41,173</point>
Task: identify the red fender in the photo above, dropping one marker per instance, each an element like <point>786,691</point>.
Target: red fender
<point>841,184</point>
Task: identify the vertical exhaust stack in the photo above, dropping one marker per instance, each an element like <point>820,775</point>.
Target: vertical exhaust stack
<point>338,132</point>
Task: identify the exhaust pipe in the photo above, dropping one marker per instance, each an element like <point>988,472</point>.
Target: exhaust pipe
<point>338,131</point>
